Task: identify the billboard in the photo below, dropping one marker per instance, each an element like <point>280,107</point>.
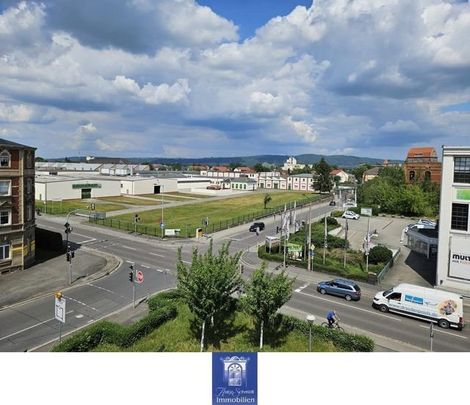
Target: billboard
<point>459,260</point>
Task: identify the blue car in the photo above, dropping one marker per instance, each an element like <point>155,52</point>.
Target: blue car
<point>347,289</point>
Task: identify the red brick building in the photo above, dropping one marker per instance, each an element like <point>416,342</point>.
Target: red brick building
<point>17,221</point>
<point>422,163</point>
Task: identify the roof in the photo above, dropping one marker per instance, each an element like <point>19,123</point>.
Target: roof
<point>4,143</point>
<point>244,169</point>
<point>337,171</point>
<point>242,180</point>
<point>220,169</point>
<point>372,172</point>
<point>306,175</point>
<point>426,152</point>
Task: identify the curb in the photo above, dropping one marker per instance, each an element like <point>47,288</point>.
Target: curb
<point>80,282</point>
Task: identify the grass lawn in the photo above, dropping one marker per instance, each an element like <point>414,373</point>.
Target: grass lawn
<point>194,195</point>
<point>221,213</point>
<point>64,207</point>
<point>238,335</point>
<point>128,200</point>
<point>166,198</point>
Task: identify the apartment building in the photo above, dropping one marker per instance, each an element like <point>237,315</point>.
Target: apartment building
<point>17,221</point>
<point>453,255</point>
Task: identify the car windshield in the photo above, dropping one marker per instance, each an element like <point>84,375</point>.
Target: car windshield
<point>385,293</point>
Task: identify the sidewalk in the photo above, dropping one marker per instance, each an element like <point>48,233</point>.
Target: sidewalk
<point>52,275</point>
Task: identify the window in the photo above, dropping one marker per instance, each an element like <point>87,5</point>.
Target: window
<point>462,170</point>
<point>5,159</point>
<point>427,175</point>
<point>4,217</point>
<point>29,185</point>
<point>412,175</point>
<point>459,221</point>
<point>29,160</point>
<point>4,252</point>
<point>5,187</point>
<point>396,296</point>
<point>29,212</point>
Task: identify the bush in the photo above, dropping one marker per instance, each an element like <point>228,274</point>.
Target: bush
<point>336,213</point>
<point>49,240</point>
<point>331,221</point>
<point>105,332</point>
<point>163,299</point>
<point>342,340</point>
<point>380,254</point>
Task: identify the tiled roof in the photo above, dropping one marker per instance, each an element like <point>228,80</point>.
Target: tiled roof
<point>425,152</point>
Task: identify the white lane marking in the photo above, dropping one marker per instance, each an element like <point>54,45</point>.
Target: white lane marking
<point>105,289</point>
<point>147,267</point>
<point>128,247</point>
<point>301,288</point>
<point>351,307</point>
<point>80,234</point>
<point>82,303</point>
<point>79,316</point>
<point>443,331</point>
<point>30,327</point>
<point>87,241</point>
<point>156,254</point>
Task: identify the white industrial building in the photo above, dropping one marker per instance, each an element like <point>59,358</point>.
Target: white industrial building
<point>49,188</point>
<point>453,255</point>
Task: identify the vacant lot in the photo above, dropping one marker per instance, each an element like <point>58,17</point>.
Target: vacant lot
<point>221,213</point>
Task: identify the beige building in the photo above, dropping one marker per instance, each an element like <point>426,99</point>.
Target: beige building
<point>17,221</point>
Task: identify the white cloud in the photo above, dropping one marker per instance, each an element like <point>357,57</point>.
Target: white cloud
<point>400,126</point>
<point>151,94</point>
<point>302,129</point>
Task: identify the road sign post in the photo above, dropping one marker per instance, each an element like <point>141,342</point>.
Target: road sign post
<point>59,311</point>
<point>132,280</point>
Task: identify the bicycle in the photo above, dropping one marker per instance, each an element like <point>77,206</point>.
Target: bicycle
<point>336,326</point>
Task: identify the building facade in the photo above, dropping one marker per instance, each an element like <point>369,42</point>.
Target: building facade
<point>422,163</point>
<point>453,256</point>
<point>17,220</point>
<point>301,182</point>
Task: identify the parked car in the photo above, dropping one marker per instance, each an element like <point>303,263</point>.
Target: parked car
<point>341,287</point>
<point>350,215</point>
<point>332,203</point>
<point>427,223</point>
<point>257,225</point>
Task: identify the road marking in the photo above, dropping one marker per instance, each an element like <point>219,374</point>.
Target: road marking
<point>351,307</point>
<point>301,288</point>
<point>156,254</point>
<point>443,331</point>
<point>147,267</point>
<point>79,316</point>
<point>82,303</point>
<point>105,289</point>
<point>128,247</point>
<point>186,261</point>
<point>87,241</point>
<point>30,327</point>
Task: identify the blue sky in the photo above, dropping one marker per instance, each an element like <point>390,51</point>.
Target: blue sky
<point>188,78</point>
<point>249,15</point>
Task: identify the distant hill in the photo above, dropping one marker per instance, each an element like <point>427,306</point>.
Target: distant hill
<point>342,161</point>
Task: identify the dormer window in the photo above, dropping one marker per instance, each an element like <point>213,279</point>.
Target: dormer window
<point>5,159</point>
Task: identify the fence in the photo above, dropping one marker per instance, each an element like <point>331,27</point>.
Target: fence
<point>377,278</point>
<point>187,231</point>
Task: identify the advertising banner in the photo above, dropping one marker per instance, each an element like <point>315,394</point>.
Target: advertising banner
<point>459,261</point>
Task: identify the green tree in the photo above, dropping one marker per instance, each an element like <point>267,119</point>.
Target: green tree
<point>267,199</point>
<point>208,283</point>
<point>265,294</point>
<point>258,167</point>
<point>324,182</point>
<point>234,165</point>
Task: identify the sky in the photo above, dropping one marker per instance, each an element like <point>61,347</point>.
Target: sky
<point>188,78</point>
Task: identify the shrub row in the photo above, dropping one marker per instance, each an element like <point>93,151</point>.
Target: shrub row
<point>342,340</point>
<point>164,299</point>
<point>105,332</point>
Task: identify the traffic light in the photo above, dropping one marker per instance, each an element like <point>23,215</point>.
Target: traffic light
<point>58,295</point>
<point>68,256</point>
<point>131,276</point>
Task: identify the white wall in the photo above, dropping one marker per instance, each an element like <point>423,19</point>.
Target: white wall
<point>451,241</point>
<point>63,189</point>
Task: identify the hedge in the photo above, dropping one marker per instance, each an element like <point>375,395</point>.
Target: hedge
<point>342,340</point>
<point>163,299</point>
<point>105,332</point>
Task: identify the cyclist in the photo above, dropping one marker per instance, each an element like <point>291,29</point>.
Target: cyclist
<point>332,318</point>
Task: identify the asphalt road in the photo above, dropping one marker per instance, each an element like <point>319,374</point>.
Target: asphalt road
<point>32,324</point>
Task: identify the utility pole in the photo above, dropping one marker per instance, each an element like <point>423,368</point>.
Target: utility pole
<point>367,247</point>
<point>345,243</point>
<point>132,280</point>
<point>162,224</point>
<point>309,239</point>
<point>325,241</point>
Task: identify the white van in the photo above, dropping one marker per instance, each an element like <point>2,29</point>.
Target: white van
<point>441,307</point>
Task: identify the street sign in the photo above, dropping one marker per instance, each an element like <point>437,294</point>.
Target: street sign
<point>139,277</point>
<point>59,312</point>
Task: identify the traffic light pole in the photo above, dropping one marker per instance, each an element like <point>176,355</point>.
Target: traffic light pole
<point>132,280</point>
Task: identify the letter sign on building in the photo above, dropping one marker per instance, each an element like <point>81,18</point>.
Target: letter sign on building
<point>459,261</point>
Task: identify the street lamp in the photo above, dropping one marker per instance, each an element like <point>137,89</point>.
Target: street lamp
<point>310,320</point>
